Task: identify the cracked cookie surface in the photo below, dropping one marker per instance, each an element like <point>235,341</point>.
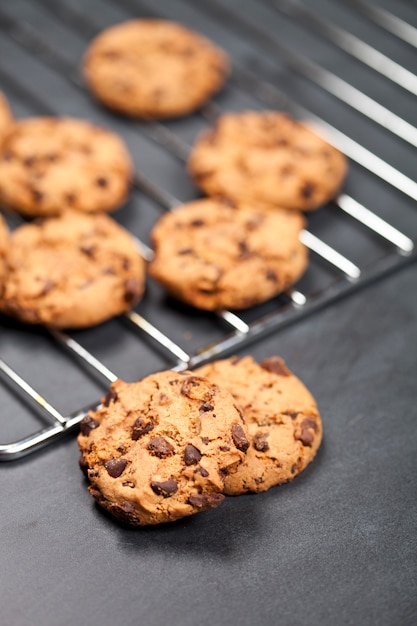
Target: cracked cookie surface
<point>213,255</point>
<point>48,165</point>
<point>159,449</point>
<point>72,271</point>
<point>268,157</point>
<point>154,69</point>
<point>285,428</point>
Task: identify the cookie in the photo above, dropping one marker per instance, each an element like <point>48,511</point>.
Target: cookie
<point>4,245</point>
<point>268,157</point>
<point>159,449</point>
<point>284,424</point>
<point>48,165</point>
<point>154,69</point>
<point>6,117</point>
<point>72,271</point>
<point>213,255</point>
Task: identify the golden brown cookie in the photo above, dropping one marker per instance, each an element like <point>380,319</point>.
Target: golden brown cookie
<point>159,449</point>
<point>213,255</point>
<point>268,157</point>
<point>48,165</point>
<point>72,271</point>
<point>154,69</point>
<point>4,246</point>
<point>284,424</point>
<point>6,117</point>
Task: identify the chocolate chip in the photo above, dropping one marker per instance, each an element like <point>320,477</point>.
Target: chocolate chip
<point>127,507</point>
<point>37,195</point>
<point>259,480</point>
<point>202,471</point>
<point>291,414</point>
<point>309,422</point>
<point>225,448</point>
<point>96,493</point>
<point>206,500</point>
<point>115,467</point>
<point>205,440</point>
<point>83,465</point>
<point>141,427</point>
<point>276,365</point>
<point>88,424</point>
<point>163,399</point>
<point>160,447</point>
<point>244,251</point>
<point>239,438</point>
<point>293,468</point>
<point>197,223</point>
<point>308,190</point>
<point>166,488</point>
<point>271,275</point>
<point>188,384</point>
<point>29,161</point>
<point>132,289</point>
<point>125,512</point>
<point>185,251</point>
<point>88,250</point>
<point>308,429</point>
<point>191,455</point>
<point>111,396</point>
<point>260,443</point>
<point>125,264</point>
<point>206,407</point>
<point>102,181</point>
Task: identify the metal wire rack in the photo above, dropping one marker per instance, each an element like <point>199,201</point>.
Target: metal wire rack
<point>30,32</point>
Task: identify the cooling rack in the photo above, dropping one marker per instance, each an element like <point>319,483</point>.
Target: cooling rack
<point>367,110</point>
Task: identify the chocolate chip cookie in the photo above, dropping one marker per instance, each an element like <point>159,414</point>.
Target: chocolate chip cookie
<point>48,165</point>
<point>159,449</point>
<point>215,255</point>
<point>268,157</point>
<point>6,117</point>
<point>284,424</point>
<point>154,69</point>
<point>72,271</point>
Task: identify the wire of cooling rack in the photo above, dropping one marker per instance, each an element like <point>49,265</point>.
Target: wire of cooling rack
<point>292,305</point>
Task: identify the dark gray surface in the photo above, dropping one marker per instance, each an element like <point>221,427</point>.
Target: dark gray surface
<point>336,546</point>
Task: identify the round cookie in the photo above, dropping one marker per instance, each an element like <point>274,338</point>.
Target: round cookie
<point>213,255</point>
<point>158,449</point>
<point>72,271</point>
<point>268,157</point>
<point>284,424</point>
<point>154,69</point>
<point>6,117</point>
<point>48,165</point>
<point>4,245</point>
